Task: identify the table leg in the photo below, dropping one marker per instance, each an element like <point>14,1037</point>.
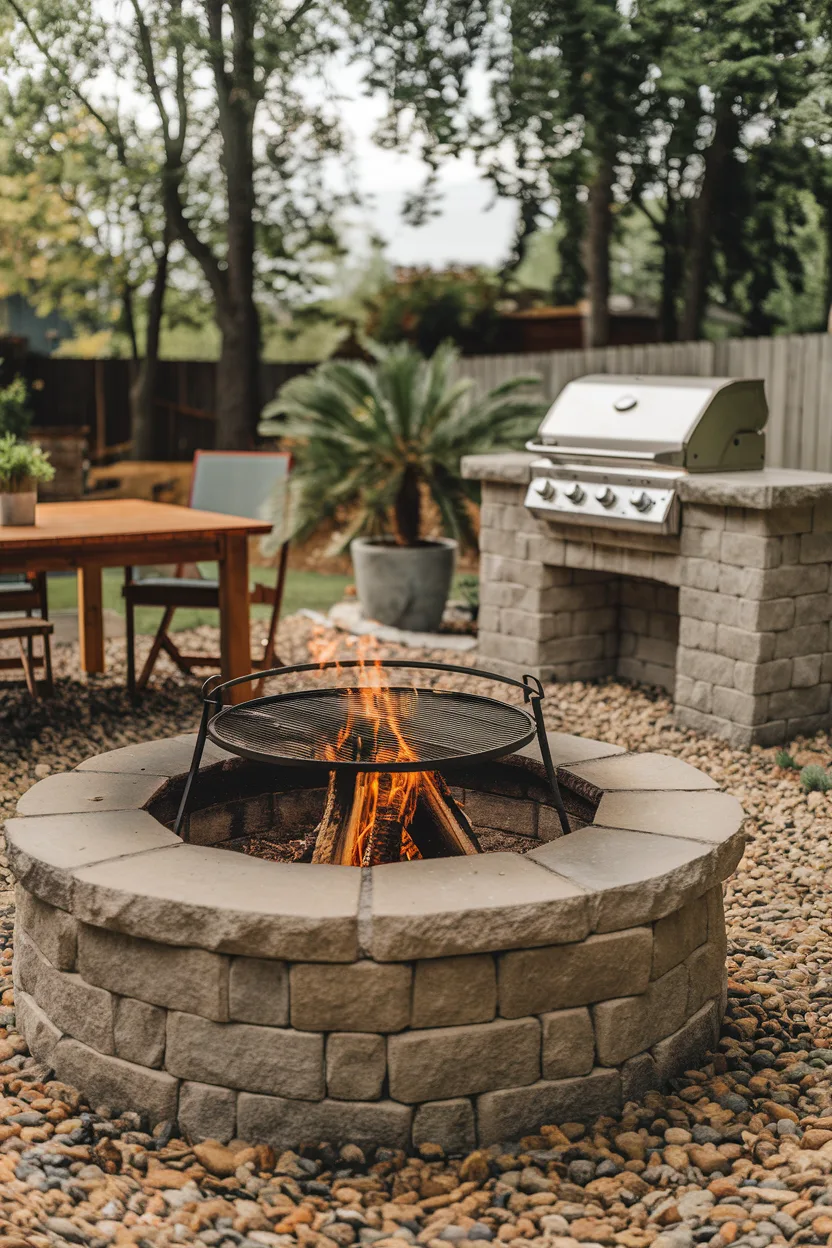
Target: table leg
<point>235,636</point>
<point>90,620</point>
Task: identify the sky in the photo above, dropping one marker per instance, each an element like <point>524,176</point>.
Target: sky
<point>470,227</point>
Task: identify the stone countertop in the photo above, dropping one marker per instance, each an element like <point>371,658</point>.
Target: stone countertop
<point>760,491</point>
<point>510,467</point>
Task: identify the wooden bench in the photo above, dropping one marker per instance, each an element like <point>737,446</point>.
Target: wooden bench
<point>25,630</point>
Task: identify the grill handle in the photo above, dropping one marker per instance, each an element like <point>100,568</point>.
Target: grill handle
<point>214,687</point>
<point>667,456</point>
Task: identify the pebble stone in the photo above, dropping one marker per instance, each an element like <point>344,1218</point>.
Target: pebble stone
<point>738,1152</point>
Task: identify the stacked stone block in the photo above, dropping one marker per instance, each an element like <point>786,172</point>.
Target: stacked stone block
<point>733,616</point>
<point>755,656</point>
<point>444,1041</point>
<point>648,632</point>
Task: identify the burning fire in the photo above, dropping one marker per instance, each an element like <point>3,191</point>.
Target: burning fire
<point>383,803</point>
<point>381,811</point>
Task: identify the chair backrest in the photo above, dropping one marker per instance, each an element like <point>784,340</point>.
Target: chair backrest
<point>253,484</point>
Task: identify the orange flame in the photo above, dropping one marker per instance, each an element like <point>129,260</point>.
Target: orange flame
<point>374,801</point>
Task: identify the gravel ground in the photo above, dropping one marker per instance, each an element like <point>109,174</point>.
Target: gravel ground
<point>740,1152</point>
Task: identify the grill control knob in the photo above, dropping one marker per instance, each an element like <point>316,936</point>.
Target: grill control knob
<point>545,489</point>
<point>576,495</point>
<point>605,497</point>
<point>641,500</point>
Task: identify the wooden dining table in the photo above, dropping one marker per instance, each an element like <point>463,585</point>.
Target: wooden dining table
<point>90,535</point>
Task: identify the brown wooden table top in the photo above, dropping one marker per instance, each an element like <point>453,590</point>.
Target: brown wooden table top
<point>73,526</point>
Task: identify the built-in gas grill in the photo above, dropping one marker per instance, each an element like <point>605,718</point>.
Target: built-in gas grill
<point>614,447</point>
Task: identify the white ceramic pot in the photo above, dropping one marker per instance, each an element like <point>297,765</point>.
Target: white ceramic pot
<point>18,508</point>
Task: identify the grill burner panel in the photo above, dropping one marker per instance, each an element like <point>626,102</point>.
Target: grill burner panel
<point>436,726</point>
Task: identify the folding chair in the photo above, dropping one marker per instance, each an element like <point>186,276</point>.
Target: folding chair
<point>27,594</point>
<point>252,484</point>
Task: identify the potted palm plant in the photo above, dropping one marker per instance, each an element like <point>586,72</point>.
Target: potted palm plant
<point>22,466</point>
<point>372,442</point>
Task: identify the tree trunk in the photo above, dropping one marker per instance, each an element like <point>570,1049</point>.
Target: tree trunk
<point>237,397</point>
<point>672,273</point>
<point>827,229</point>
<point>238,371</point>
<point>408,508</point>
<point>130,320</point>
<point>238,368</point>
<point>700,238</point>
<point>143,389</point>
<point>570,283</point>
<point>599,230</point>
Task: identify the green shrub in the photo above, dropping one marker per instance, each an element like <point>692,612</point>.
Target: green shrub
<point>22,464</point>
<point>783,758</point>
<point>815,778</point>
<point>15,417</point>
<point>373,439</point>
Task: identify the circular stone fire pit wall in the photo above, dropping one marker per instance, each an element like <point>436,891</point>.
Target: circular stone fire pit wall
<point>457,1001</point>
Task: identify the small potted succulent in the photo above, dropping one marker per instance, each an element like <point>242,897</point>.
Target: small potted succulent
<point>22,466</point>
<point>372,442</point>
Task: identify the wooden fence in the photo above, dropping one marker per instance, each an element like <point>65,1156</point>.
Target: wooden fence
<point>797,370</point>
<point>94,394</point>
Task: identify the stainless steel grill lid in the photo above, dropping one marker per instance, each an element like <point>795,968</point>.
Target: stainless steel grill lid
<point>615,446</point>
<point>701,424</point>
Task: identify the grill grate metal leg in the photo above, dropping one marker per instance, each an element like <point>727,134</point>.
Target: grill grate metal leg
<point>207,707</point>
<point>534,695</point>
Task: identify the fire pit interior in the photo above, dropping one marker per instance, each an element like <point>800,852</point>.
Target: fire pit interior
<point>381,747</point>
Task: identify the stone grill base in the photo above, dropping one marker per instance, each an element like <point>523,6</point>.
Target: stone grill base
<point>732,616</point>
<point>457,1001</point>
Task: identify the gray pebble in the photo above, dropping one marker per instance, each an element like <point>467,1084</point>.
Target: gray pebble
<point>678,1237</point>
<point>581,1172</point>
<point>704,1134</point>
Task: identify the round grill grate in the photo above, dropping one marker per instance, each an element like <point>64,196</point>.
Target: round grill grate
<point>333,728</point>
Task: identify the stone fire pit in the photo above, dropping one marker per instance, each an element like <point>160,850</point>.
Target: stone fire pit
<point>455,1000</point>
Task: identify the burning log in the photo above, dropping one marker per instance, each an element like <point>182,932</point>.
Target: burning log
<point>440,828</point>
<point>376,817</point>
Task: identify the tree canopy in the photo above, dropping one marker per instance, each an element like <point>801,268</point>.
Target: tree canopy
<point>162,156</point>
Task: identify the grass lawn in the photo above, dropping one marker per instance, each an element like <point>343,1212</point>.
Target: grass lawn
<point>313,590</point>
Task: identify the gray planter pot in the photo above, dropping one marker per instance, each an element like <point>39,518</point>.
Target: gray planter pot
<point>404,586</point>
<point>18,508</point>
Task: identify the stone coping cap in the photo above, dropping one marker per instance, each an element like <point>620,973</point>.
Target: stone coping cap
<point>228,902</point>
<point>168,757</point>
<point>663,834</point>
<point>760,491</point>
<point>636,877</point>
<point>566,749</point>
<point>508,467</point>
<point>650,772</point>
<point>44,850</point>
